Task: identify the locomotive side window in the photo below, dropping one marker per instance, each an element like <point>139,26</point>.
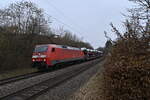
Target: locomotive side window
<point>53,49</point>
<point>64,46</point>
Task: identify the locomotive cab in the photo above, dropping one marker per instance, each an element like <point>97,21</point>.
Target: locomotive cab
<point>40,55</point>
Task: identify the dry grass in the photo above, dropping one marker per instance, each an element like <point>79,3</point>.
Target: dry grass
<point>16,72</point>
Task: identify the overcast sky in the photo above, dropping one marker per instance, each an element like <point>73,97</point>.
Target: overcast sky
<point>88,19</point>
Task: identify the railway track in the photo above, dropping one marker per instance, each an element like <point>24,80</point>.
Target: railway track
<point>29,75</point>
<point>40,88</point>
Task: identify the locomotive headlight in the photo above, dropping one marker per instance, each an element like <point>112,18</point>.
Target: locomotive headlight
<point>44,60</point>
<point>33,60</point>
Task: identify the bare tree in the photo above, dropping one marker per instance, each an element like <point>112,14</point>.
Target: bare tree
<point>142,12</point>
<point>24,18</point>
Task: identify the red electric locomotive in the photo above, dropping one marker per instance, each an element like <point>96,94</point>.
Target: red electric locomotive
<point>48,55</point>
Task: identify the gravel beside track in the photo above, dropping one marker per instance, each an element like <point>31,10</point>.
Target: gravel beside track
<point>22,84</point>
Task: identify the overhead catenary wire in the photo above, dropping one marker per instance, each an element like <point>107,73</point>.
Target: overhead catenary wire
<point>61,22</point>
<point>66,17</point>
<point>72,25</point>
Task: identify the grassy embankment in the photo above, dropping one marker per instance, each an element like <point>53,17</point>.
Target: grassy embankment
<point>16,72</point>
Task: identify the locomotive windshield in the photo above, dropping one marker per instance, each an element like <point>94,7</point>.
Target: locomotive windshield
<point>41,49</point>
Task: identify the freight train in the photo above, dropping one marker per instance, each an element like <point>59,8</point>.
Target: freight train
<point>49,55</point>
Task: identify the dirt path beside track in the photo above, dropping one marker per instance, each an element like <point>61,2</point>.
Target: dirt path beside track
<point>92,90</point>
